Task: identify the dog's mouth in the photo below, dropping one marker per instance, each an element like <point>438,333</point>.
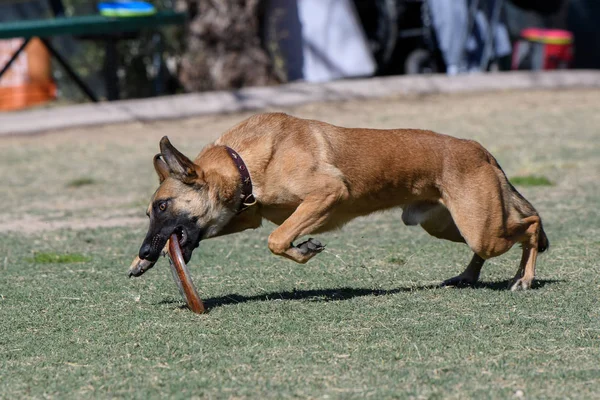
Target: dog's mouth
<point>187,241</point>
<point>182,236</point>
<point>139,265</point>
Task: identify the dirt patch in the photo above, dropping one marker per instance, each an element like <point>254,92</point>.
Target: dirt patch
<point>31,224</point>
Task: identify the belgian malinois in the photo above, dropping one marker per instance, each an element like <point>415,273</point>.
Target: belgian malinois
<point>310,177</point>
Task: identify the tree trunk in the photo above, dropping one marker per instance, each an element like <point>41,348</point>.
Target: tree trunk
<point>223,46</point>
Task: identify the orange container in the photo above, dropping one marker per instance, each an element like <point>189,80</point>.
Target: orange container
<point>543,49</point>
<point>29,79</point>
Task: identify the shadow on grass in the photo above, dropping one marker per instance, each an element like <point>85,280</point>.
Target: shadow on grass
<point>325,295</point>
<point>505,284</point>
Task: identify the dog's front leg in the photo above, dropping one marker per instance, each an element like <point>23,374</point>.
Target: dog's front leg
<point>312,214</point>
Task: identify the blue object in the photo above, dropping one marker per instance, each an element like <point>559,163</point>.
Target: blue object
<point>125,8</point>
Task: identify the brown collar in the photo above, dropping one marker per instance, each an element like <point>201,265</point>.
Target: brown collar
<point>248,199</point>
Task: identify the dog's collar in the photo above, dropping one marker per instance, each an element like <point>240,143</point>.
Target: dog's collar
<point>248,199</point>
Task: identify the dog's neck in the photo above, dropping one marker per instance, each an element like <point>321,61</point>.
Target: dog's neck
<point>246,195</point>
<point>232,178</point>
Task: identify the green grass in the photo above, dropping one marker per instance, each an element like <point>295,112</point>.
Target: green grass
<point>530,180</point>
<point>79,182</point>
<point>56,258</point>
<point>365,318</point>
<point>348,326</point>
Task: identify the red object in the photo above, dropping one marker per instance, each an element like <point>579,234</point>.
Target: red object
<point>543,49</point>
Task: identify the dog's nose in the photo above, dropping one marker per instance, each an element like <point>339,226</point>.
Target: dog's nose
<point>145,251</point>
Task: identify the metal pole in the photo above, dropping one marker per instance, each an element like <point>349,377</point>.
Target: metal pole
<point>111,76</point>
<point>72,74</point>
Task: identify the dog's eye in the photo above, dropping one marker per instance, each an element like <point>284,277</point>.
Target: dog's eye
<point>162,206</point>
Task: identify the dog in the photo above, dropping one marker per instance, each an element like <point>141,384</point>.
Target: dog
<point>311,177</point>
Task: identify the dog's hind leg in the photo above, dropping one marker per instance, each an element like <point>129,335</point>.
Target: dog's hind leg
<point>438,222</point>
<point>469,276</point>
<point>310,215</point>
<point>495,219</point>
<point>529,240</point>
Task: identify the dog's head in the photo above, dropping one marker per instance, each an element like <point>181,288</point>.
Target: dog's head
<point>192,203</point>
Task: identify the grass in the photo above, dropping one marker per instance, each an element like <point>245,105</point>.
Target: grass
<point>365,318</point>
<point>56,258</point>
<point>79,182</point>
<point>361,327</point>
<point>530,180</point>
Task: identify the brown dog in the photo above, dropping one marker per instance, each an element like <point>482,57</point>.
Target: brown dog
<point>310,177</point>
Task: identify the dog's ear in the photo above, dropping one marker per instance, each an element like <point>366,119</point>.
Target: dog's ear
<point>181,167</point>
<point>161,167</point>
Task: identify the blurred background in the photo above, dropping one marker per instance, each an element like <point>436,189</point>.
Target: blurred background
<point>230,44</point>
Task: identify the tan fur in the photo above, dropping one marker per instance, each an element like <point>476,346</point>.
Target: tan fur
<point>310,177</point>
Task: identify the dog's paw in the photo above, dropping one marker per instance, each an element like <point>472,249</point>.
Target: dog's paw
<point>458,281</point>
<point>139,266</point>
<point>520,284</point>
<point>310,246</point>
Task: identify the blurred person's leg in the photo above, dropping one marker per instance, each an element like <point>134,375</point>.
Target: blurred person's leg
<point>451,21</point>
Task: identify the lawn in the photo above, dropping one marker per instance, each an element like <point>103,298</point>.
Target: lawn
<point>365,318</point>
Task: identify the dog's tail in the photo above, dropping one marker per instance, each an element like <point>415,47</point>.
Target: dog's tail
<point>523,206</point>
<point>543,242</point>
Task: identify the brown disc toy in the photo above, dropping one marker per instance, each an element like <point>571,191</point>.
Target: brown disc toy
<point>182,277</point>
